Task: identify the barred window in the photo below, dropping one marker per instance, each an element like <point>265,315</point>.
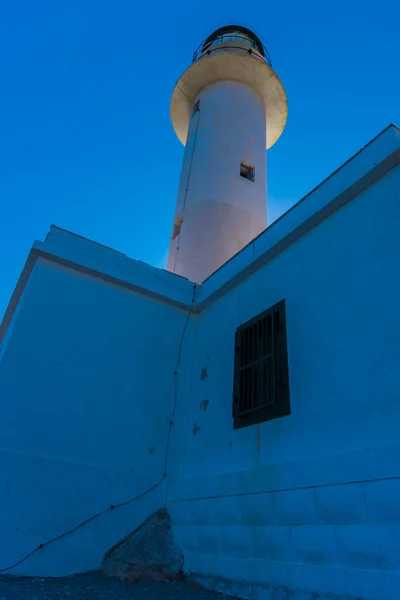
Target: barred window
<point>261,379</point>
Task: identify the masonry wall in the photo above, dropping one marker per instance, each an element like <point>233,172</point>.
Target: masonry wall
<point>309,501</point>
<point>87,394</point>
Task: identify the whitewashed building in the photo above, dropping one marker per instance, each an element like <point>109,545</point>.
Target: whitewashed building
<point>253,389</point>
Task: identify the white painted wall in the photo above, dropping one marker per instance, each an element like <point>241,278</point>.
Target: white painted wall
<point>221,210</point>
<point>309,501</point>
<point>87,394</point>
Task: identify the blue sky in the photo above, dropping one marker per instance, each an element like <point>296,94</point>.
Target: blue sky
<point>85,137</point>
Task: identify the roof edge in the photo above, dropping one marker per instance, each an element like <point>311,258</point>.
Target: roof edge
<point>361,171</point>
<point>111,266</point>
<point>370,164</point>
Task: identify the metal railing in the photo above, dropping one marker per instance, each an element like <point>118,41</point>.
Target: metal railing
<point>205,49</point>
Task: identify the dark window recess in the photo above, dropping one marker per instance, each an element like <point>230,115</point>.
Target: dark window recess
<point>177,228</point>
<point>196,108</point>
<point>261,379</point>
<point>247,171</point>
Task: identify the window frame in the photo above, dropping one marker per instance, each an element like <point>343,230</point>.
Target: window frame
<point>251,168</point>
<point>278,383</point>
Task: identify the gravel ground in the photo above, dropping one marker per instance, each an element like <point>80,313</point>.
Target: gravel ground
<point>96,586</point>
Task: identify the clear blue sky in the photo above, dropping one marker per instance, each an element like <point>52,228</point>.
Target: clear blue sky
<point>85,137</point>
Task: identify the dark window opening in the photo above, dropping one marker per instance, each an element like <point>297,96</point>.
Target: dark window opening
<point>196,108</point>
<point>261,378</point>
<point>247,171</point>
<point>177,228</point>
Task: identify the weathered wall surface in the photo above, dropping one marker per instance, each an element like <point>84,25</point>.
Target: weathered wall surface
<point>307,501</point>
<point>87,394</point>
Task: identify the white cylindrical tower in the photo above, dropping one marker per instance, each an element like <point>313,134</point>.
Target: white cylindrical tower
<point>227,108</point>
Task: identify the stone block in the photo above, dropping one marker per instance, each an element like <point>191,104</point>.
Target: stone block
<point>295,507</point>
<point>382,500</point>
<point>201,511</point>
<point>272,543</point>
<point>237,541</point>
<point>256,509</point>
<point>339,504</point>
<point>227,510</point>
<point>210,539</point>
<point>187,538</point>
<point>366,546</point>
<point>372,585</point>
<point>396,535</point>
<point>316,582</point>
<point>314,544</point>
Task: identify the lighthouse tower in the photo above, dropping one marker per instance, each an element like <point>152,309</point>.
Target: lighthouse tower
<point>227,108</point>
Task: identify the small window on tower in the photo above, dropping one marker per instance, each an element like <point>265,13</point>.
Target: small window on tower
<point>196,108</point>
<point>177,228</point>
<point>247,171</point>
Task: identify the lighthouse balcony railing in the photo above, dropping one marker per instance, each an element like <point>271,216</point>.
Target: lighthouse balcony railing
<point>232,42</point>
